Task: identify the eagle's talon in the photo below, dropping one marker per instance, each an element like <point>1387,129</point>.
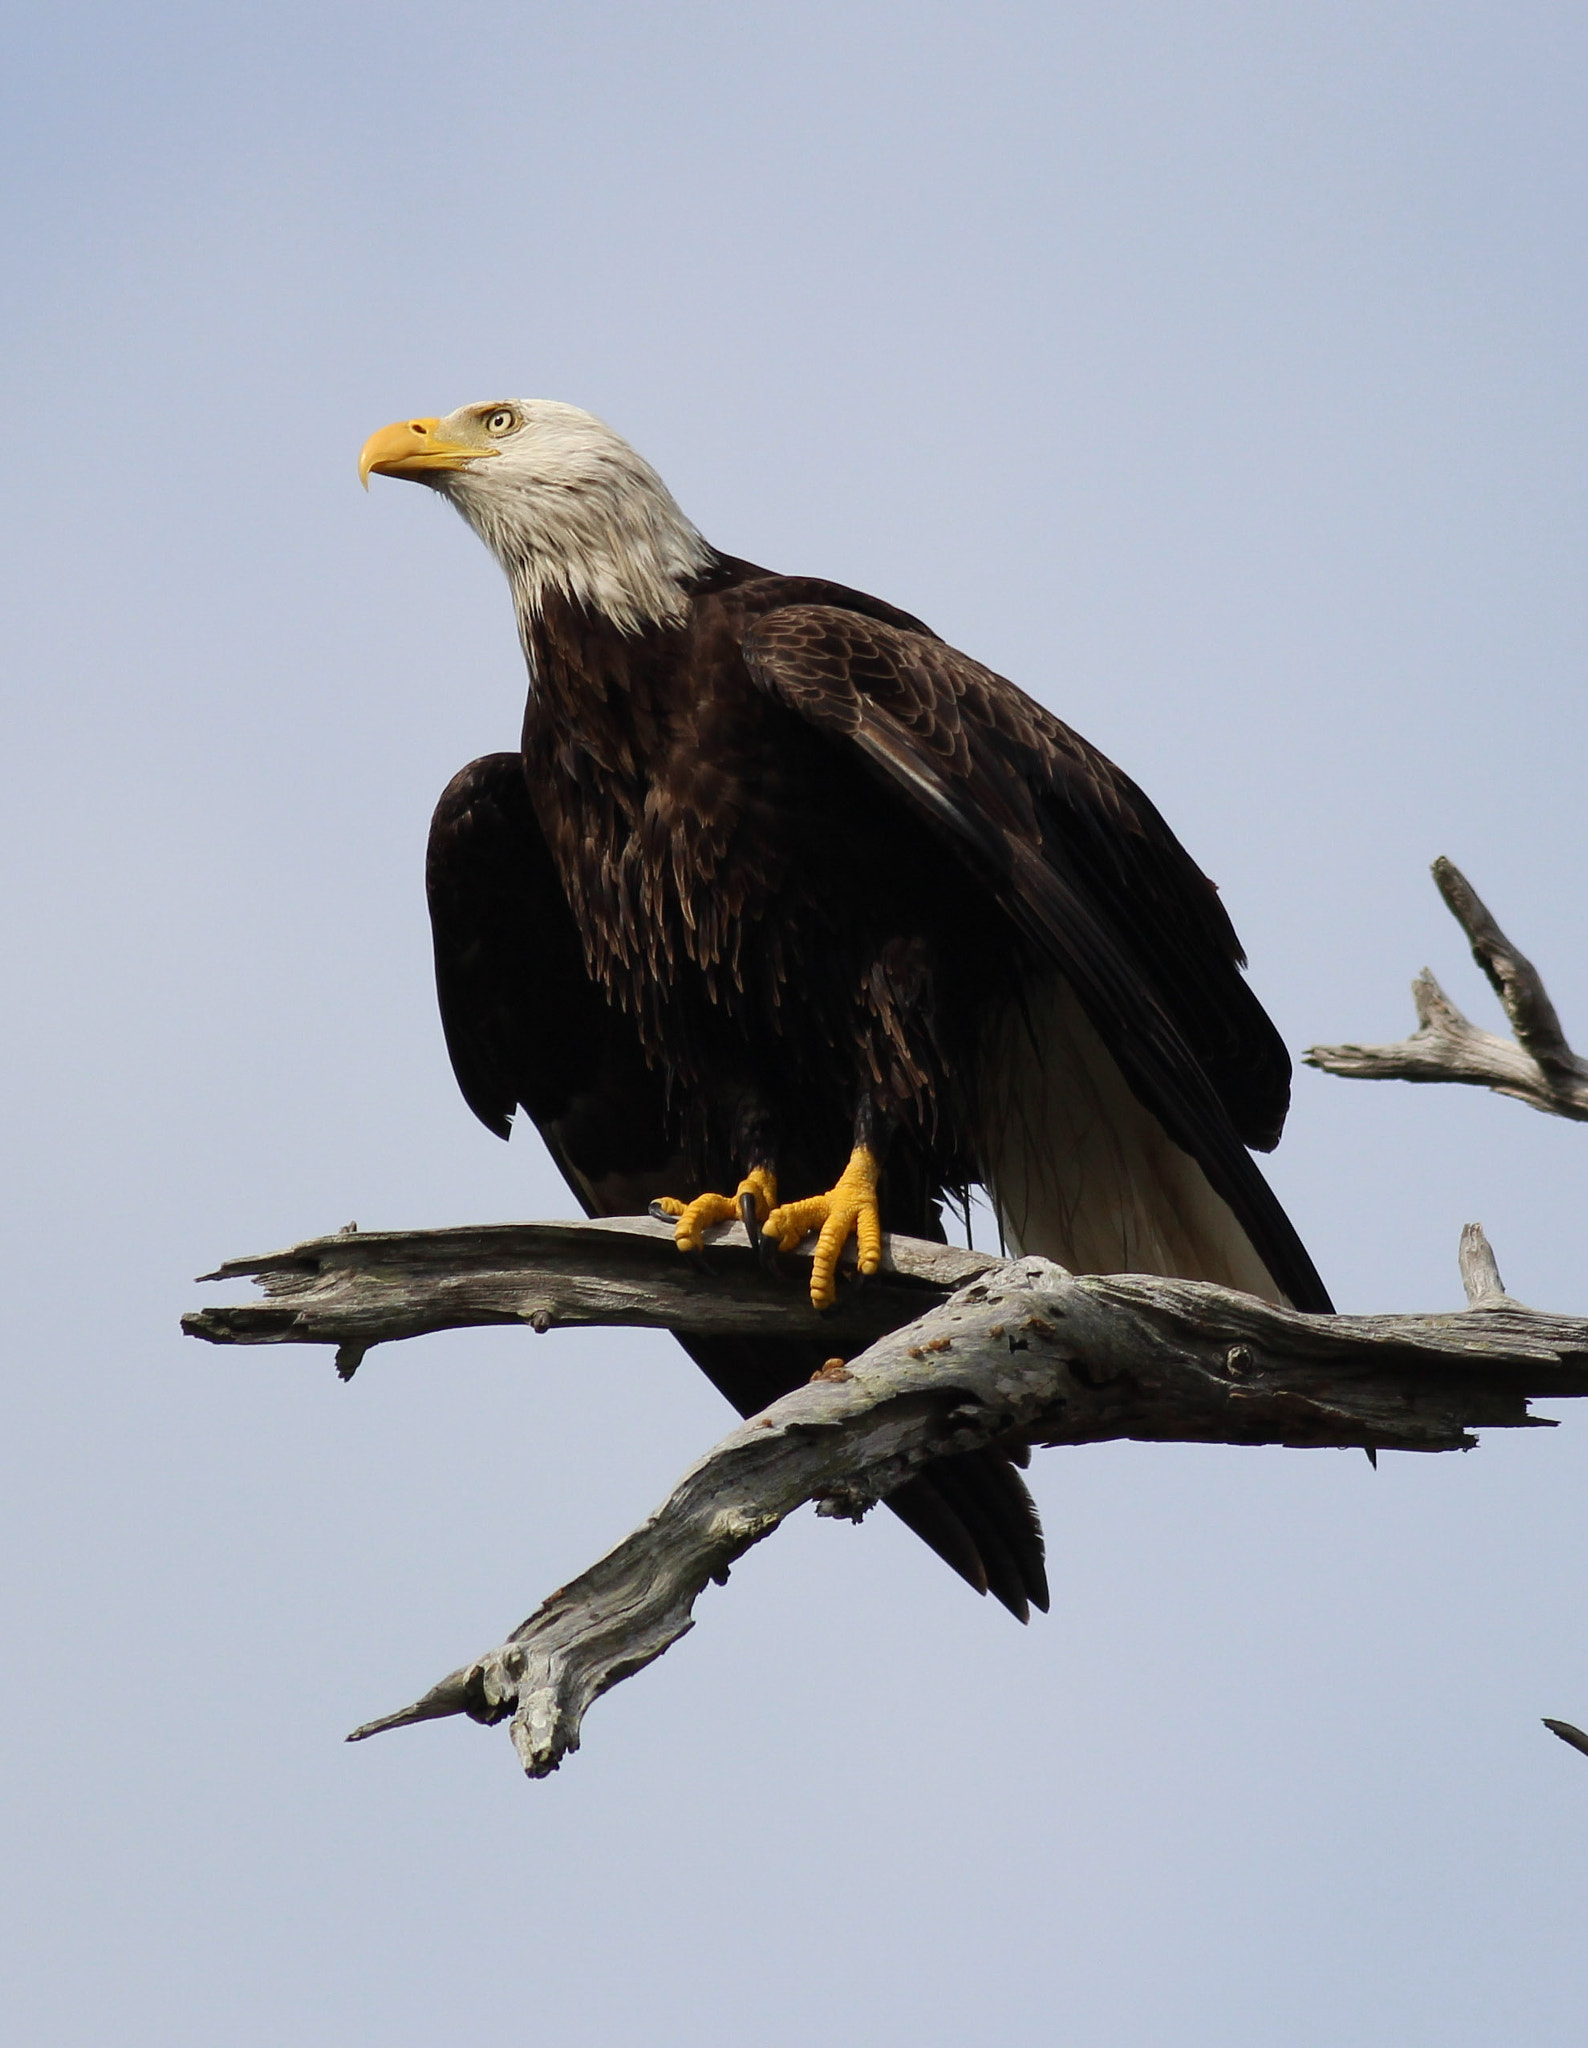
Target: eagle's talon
<point>752,1200</point>
<point>849,1209</point>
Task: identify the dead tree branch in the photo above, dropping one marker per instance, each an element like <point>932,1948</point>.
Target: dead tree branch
<point>1568,1733</point>
<point>366,1287</point>
<point>1022,1353</point>
<point>1537,1066</point>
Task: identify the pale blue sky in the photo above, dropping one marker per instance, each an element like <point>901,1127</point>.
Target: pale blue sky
<point>1216,372</point>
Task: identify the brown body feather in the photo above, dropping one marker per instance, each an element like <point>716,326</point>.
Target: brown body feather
<point>821,858</point>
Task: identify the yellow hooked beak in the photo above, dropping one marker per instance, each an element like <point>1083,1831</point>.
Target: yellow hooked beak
<point>415,447</point>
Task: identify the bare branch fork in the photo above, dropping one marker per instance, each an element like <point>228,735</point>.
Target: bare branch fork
<point>947,1351</point>
<point>1537,1066</point>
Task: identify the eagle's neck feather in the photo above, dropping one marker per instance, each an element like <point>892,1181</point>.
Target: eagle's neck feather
<point>590,525</point>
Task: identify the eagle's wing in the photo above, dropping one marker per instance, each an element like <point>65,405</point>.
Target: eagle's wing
<point>525,1024</point>
<point>1087,872</point>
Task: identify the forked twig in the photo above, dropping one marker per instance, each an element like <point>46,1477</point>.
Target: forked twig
<point>1537,1067</point>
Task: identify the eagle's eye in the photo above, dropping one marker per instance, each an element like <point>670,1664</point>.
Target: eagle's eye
<point>501,421</point>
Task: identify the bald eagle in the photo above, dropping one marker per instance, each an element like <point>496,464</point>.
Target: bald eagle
<point>785,909</point>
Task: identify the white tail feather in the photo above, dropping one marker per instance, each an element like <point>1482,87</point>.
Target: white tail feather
<point>1079,1172</point>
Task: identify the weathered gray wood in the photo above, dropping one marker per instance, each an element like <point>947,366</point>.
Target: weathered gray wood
<point>1480,1272</point>
<point>360,1288</point>
<point>1568,1733</point>
<point>1537,1067</point>
<point>1023,1354</point>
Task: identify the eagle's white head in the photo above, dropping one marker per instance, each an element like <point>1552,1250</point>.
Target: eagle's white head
<point>565,505</point>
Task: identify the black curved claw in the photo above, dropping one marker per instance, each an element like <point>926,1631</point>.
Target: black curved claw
<point>661,1214</point>
<point>752,1227</point>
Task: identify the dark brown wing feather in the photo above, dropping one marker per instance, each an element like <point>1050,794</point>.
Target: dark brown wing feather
<point>1085,868</point>
<point>526,1026</point>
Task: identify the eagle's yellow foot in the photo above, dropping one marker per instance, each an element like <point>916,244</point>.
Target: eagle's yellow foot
<point>850,1207</point>
<point>753,1198</point>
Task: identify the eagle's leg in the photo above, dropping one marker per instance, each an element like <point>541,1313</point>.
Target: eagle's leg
<point>751,1143</point>
<point>898,1016</point>
<point>753,1201</point>
<point>847,1209</point>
